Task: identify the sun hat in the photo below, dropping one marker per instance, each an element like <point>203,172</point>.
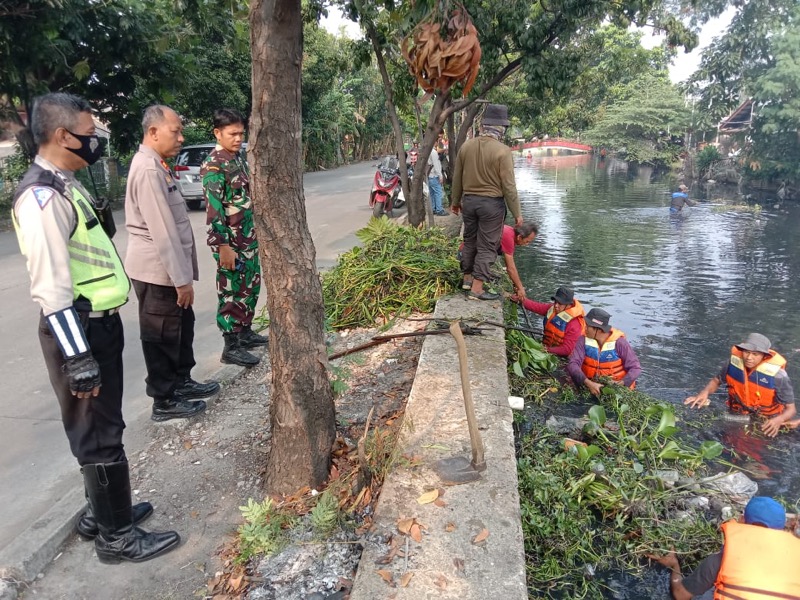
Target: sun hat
<point>756,342</point>
<point>599,318</point>
<point>563,295</point>
<point>496,114</point>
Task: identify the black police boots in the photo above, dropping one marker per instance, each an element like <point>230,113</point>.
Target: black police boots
<point>86,524</point>
<point>250,339</point>
<point>109,489</point>
<point>189,389</point>
<point>172,408</point>
<point>235,354</point>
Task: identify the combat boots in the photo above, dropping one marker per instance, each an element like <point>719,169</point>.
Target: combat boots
<point>235,354</point>
<point>250,339</point>
<point>109,489</point>
<point>86,524</point>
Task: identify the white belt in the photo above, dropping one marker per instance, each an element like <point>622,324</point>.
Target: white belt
<point>99,314</point>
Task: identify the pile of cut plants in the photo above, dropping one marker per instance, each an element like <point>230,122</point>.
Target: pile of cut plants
<point>397,270</point>
<point>602,490</point>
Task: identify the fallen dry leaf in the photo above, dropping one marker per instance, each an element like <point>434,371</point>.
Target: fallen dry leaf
<point>405,579</point>
<point>194,514</point>
<point>450,527</point>
<point>441,582</point>
<point>386,576</point>
<point>236,582</point>
<point>440,503</point>
<point>481,536</point>
<point>416,533</point>
<point>428,497</point>
<point>187,445</point>
<point>404,525</point>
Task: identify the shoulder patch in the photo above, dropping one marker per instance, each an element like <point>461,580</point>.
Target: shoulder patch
<point>43,195</point>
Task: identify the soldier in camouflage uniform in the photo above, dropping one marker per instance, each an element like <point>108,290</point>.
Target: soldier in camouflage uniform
<point>232,238</point>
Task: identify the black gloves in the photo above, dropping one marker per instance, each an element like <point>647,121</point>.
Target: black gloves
<point>83,372</point>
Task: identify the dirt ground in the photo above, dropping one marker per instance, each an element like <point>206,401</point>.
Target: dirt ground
<point>198,472</point>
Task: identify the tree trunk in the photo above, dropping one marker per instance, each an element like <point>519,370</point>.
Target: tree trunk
<point>301,399</point>
<point>390,108</point>
<point>416,204</point>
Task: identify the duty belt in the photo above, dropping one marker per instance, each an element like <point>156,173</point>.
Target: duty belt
<point>99,314</point>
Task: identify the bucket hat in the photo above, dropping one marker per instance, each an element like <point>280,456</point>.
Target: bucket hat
<point>496,114</point>
<point>599,318</point>
<point>563,295</point>
<point>756,342</point>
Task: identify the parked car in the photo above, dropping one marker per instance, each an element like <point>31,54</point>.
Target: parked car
<point>187,172</point>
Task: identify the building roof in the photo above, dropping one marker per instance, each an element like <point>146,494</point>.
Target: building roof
<point>739,120</point>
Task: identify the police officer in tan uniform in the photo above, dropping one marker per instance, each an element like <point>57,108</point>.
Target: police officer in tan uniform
<point>162,263</point>
<point>78,280</point>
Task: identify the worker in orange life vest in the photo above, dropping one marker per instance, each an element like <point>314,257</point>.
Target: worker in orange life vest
<point>757,384</point>
<point>602,352</point>
<point>758,560</point>
<point>563,320</point>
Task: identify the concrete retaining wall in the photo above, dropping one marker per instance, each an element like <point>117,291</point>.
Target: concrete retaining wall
<point>447,562</point>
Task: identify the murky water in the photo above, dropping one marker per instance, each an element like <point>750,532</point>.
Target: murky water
<point>683,288</point>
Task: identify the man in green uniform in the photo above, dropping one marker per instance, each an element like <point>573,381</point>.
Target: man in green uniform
<point>232,238</point>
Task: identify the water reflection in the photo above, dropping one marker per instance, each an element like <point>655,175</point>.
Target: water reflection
<point>683,288</point>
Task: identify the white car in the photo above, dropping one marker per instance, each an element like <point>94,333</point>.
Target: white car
<point>187,172</point>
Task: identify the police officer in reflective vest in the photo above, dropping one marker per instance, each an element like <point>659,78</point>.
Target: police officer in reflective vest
<point>78,280</point>
<point>757,384</point>
<point>603,352</point>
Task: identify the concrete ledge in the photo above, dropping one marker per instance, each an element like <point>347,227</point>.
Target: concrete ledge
<point>31,551</point>
<point>446,563</point>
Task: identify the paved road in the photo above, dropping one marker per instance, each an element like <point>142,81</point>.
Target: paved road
<point>36,467</point>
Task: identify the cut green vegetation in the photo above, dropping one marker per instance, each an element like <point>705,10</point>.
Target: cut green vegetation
<point>397,271</point>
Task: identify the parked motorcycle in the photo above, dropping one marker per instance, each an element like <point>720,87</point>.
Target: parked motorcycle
<point>386,192</point>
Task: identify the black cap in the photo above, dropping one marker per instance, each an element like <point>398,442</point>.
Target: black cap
<point>563,295</point>
<point>599,318</point>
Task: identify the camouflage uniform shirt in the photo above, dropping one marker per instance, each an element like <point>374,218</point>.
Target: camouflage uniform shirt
<point>226,187</point>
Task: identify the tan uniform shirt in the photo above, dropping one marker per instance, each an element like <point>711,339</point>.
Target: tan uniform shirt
<point>161,247</point>
<point>46,220</point>
<point>485,167</point>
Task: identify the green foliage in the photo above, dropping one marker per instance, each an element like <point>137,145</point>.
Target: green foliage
<point>398,270</point>
<point>325,514</point>
<point>706,158</point>
<point>646,125</point>
<point>339,375</point>
<point>600,506</point>
<point>263,531</point>
<point>11,171</point>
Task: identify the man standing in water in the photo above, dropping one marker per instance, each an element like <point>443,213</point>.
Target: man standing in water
<point>757,384</point>
<point>680,199</point>
<point>758,560</point>
<point>603,352</point>
<point>483,186</point>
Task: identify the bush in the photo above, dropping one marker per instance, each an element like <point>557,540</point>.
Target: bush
<point>707,157</point>
<point>398,270</point>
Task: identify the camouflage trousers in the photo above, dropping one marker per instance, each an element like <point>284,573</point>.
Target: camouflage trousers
<point>238,290</point>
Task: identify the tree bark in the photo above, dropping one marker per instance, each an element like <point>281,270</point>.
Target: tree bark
<point>301,399</point>
<point>416,202</point>
<point>390,107</point>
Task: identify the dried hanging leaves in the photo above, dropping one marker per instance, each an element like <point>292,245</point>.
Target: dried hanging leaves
<point>438,59</point>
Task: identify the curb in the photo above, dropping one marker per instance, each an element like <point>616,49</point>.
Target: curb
<point>34,549</point>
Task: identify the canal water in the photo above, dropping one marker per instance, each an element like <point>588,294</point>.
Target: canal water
<point>683,288</point>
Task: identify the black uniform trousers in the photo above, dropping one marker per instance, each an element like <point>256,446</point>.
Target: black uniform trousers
<point>483,227</point>
<point>167,334</point>
<point>93,425</point>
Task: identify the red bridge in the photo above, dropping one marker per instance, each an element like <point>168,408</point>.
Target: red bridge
<point>559,143</point>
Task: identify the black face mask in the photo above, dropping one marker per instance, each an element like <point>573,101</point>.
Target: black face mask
<point>90,149</point>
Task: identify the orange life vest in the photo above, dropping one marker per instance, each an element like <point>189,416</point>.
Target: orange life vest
<point>604,362</point>
<point>756,390</point>
<point>555,324</point>
<point>758,564</point>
